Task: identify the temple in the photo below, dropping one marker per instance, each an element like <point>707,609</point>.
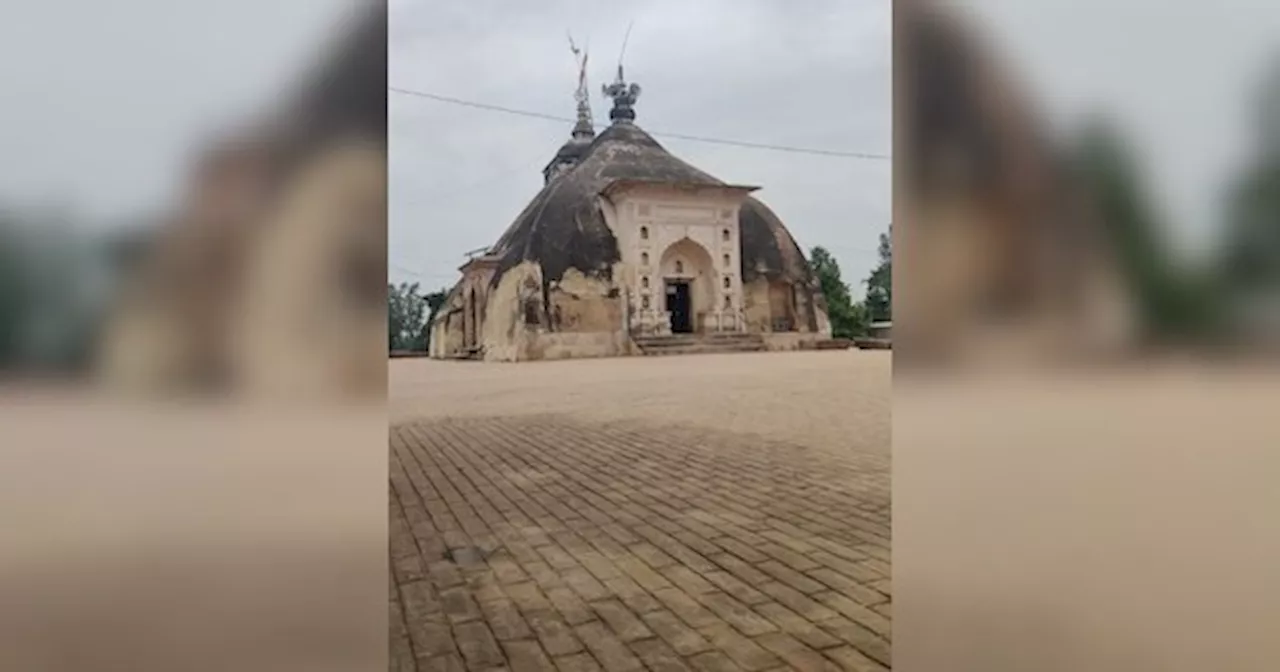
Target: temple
<point>628,250</point>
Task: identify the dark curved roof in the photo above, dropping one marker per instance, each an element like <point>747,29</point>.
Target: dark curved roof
<point>573,150</point>
<point>563,228</point>
<point>768,250</point>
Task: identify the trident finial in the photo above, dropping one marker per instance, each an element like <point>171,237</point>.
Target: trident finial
<point>624,95</point>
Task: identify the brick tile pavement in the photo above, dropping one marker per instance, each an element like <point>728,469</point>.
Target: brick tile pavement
<point>560,541</point>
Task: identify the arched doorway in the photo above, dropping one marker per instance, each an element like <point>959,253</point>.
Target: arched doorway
<point>688,276</point>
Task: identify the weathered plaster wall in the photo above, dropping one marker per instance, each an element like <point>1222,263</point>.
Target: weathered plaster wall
<point>578,345</point>
<point>580,303</point>
<point>447,337</point>
<point>580,316</point>
<point>782,308</point>
<point>438,346</point>
<point>514,308</point>
<point>756,305</point>
<point>776,306</point>
<point>586,320</point>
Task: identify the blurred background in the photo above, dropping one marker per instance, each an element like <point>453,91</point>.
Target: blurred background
<point>192,217</point>
<point>1084,443</point>
<point>1092,177</point>
<point>154,156</point>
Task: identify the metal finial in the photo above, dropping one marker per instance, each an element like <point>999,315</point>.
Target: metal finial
<point>624,97</point>
<point>584,128</point>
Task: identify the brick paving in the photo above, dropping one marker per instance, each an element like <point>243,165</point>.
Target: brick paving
<point>561,538</point>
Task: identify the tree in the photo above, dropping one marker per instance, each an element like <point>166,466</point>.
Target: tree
<point>406,317</point>
<point>879,302</point>
<point>1251,260</point>
<point>1252,254</point>
<point>848,319</point>
<point>1173,300</point>
<point>16,299</point>
<point>49,303</point>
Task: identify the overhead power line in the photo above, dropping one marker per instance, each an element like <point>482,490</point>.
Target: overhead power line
<point>680,136</point>
<point>419,274</point>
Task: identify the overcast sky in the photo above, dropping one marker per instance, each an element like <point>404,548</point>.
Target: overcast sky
<point>809,74</point>
<point>103,103</point>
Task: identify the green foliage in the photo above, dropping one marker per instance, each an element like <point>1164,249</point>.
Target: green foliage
<point>1174,301</point>
<point>406,317</point>
<point>409,316</point>
<point>1252,254</point>
<point>1251,258</point>
<point>47,312</point>
<point>879,302</point>
<point>16,300</point>
<point>848,318</point>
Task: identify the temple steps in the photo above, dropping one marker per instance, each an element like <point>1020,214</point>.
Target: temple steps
<point>474,353</point>
<point>689,344</point>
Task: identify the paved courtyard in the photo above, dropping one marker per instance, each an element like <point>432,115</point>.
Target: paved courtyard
<point>716,512</point>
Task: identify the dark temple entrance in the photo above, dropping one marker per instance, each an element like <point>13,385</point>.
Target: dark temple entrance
<point>678,306</point>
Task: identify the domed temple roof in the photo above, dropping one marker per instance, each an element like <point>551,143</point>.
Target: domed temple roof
<point>563,227</point>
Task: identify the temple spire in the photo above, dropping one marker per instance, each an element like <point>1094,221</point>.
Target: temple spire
<point>583,129</point>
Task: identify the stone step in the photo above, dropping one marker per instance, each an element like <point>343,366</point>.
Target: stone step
<point>687,344</point>
<point>701,349</point>
<point>699,338</point>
